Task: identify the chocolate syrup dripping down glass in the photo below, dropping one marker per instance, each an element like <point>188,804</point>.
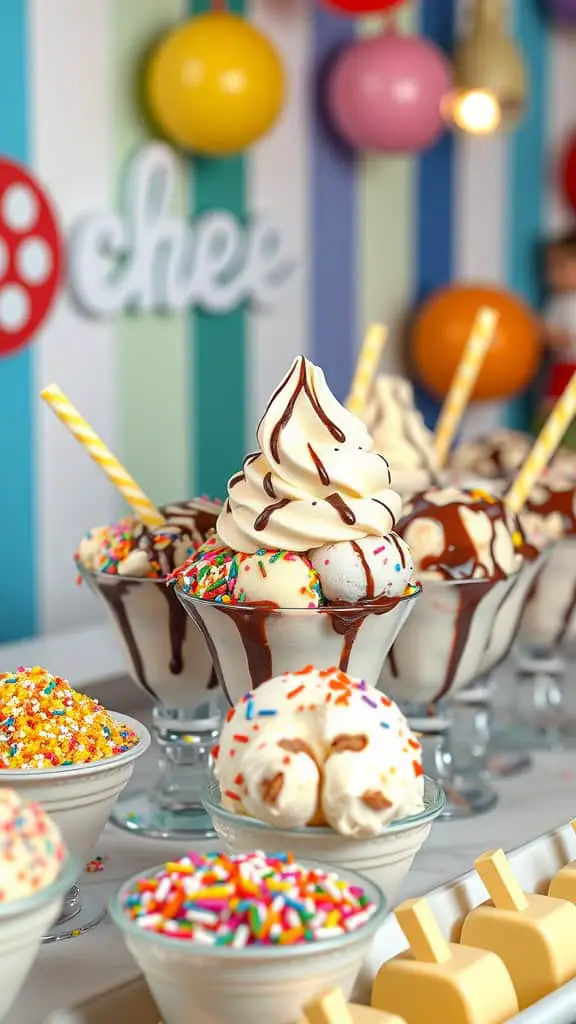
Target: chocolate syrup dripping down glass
<point>252,622</point>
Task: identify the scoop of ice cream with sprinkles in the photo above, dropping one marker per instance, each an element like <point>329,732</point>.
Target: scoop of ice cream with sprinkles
<point>317,747</point>
<point>44,723</point>
<point>31,848</point>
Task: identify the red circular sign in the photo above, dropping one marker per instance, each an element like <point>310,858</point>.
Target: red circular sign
<point>31,256</point>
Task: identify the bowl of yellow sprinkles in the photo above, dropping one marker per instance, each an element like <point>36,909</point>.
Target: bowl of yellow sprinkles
<point>44,723</point>
<point>62,749</point>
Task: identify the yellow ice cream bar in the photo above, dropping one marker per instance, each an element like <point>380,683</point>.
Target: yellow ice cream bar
<point>332,1008</point>
<point>442,981</point>
<point>563,885</point>
<point>534,935</point>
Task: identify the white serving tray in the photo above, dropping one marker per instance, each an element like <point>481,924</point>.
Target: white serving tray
<point>534,864</point>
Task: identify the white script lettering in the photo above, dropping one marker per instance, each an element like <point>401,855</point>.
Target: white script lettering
<point>146,259</point>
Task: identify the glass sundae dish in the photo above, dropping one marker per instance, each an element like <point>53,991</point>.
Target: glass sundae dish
<point>548,626</point>
<point>126,565</point>
<point>476,565</point>
<point>305,566</point>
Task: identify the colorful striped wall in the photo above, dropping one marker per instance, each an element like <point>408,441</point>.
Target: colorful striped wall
<point>178,397</point>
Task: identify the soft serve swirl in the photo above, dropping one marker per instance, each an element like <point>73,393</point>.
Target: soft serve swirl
<point>397,427</point>
<point>315,480</point>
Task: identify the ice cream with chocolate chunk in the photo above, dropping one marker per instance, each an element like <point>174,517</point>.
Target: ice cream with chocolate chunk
<point>398,429</point>
<point>308,524</point>
<point>317,747</point>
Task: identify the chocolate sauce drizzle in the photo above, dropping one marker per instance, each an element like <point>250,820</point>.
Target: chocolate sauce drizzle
<point>302,385</point>
<point>346,620</point>
<point>458,563</point>
<point>194,522</point>
<point>458,560</point>
<point>339,505</point>
<point>320,467</point>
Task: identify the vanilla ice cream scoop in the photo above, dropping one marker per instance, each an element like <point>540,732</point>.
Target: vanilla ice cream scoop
<point>463,534</point>
<point>364,569</point>
<point>318,747</point>
<point>31,848</point>
<point>398,429</point>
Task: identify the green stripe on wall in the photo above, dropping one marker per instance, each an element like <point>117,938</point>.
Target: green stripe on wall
<point>219,371</point>
<point>385,231</point>
<point>153,375</point>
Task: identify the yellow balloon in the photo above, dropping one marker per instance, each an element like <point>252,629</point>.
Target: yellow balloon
<point>215,84</point>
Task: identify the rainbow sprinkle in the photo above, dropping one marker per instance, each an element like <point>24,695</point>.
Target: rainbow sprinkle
<point>211,572</point>
<point>44,723</point>
<point>246,900</point>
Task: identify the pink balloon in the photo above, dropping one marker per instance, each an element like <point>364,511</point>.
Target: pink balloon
<point>385,93</point>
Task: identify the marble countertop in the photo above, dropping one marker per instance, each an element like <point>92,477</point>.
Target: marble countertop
<point>69,972</point>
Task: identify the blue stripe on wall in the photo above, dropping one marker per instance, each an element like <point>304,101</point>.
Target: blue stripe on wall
<point>17,501</point>
<point>527,176</point>
<point>434,185</point>
<point>333,220</point>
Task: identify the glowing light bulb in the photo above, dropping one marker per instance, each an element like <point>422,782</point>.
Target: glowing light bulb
<point>476,111</point>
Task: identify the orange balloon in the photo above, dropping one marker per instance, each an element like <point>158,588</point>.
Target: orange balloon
<point>443,326</point>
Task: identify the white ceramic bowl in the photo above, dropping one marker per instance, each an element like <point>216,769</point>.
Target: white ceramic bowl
<point>264,984</point>
<point>384,859</point>
<point>79,797</point>
<point>23,923</point>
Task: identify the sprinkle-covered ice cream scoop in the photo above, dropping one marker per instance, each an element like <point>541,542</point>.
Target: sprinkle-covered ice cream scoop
<point>318,747</point>
<point>31,848</point>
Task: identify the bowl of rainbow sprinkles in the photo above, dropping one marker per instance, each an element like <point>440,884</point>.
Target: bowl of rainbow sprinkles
<point>246,937</point>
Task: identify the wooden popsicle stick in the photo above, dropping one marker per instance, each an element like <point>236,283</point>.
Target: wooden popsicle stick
<point>503,887</point>
<point>573,823</point>
<point>330,1008</point>
<point>427,944</point>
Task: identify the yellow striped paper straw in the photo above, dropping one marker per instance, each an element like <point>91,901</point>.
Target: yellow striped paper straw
<point>97,450</point>
<point>368,361</point>
<point>462,386</point>
<point>545,445</point>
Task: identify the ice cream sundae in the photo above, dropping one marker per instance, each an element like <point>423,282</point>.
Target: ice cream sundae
<point>549,621</point>
<point>468,548</point>
<point>126,564</point>
<point>305,563</point>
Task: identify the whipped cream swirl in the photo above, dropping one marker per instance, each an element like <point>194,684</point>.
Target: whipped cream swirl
<point>397,427</point>
<point>316,478</point>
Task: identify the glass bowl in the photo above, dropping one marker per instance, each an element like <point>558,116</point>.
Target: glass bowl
<point>250,644</point>
<point>170,661</point>
<point>385,859</point>
<point>239,986</point>
<point>457,635</point>
<point>79,799</point>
